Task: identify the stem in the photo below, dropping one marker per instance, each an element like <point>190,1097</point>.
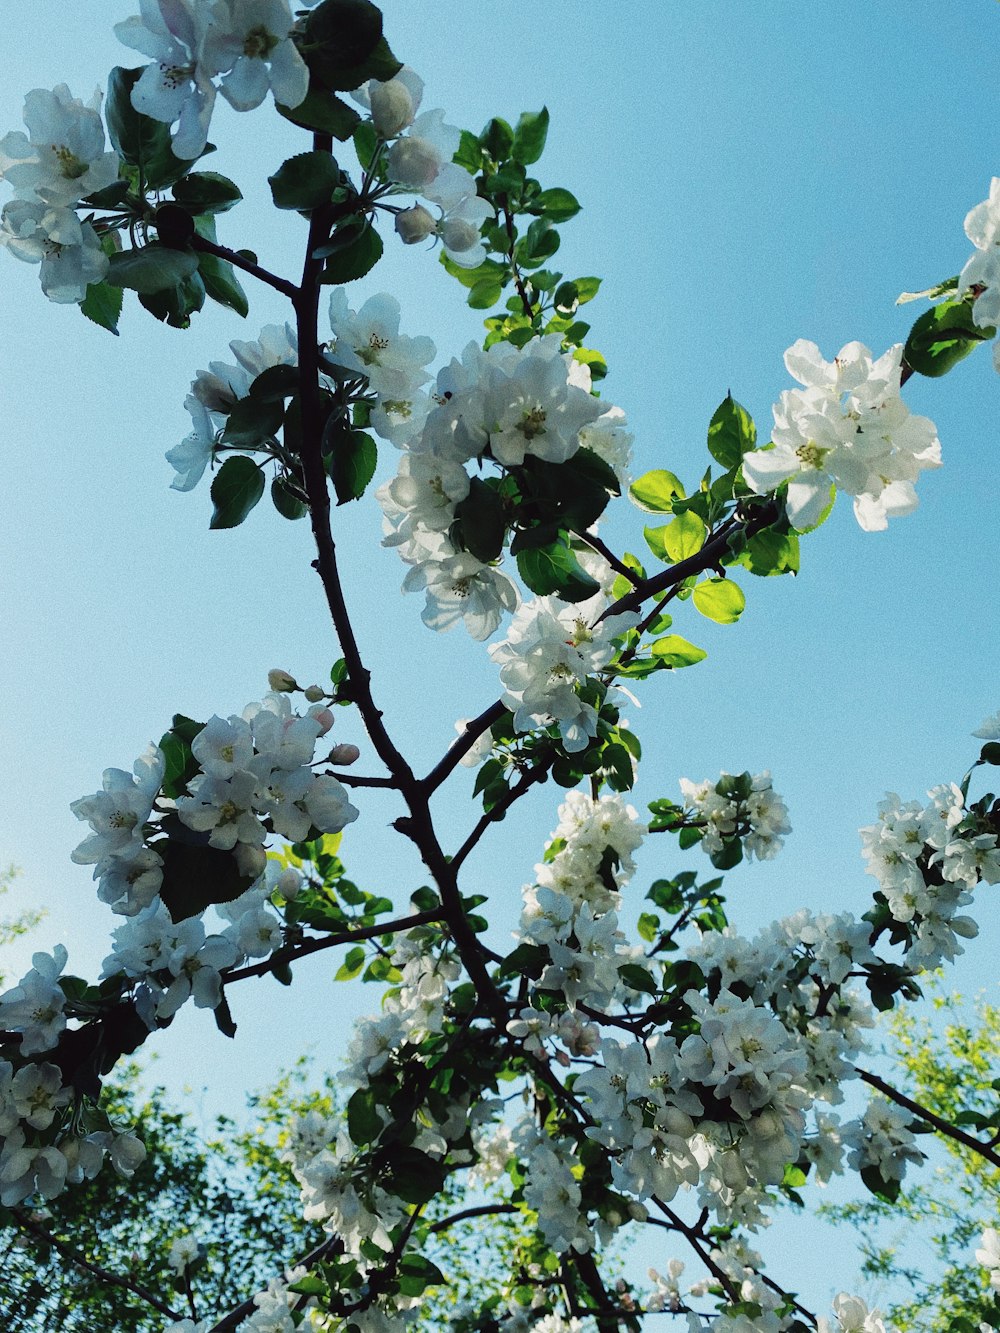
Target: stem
<point>95,1270</point>
<point>537,774</point>
<point>483,1210</point>
<point>619,566</point>
<point>246,265</point>
<point>457,752</point>
<point>942,1126</point>
<point>292,952</point>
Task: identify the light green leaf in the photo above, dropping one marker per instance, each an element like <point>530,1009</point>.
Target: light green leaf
<point>656,491</point>
<point>676,651</point>
<point>721,600</point>
<point>681,537</point>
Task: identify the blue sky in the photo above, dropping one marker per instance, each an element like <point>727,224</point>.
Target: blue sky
<point>751,173</point>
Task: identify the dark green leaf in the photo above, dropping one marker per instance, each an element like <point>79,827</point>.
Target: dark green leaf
<point>152,268</point>
<point>176,305</point>
<point>275,384</point>
<point>221,283</point>
<point>485,294</point>
<point>351,462</point>
<point>357,255</point>
<point>103,305</point>
<point>771,552</point>
<point>306,181</point>
<point>206,192</point>
<point>344,45</point>
<point>414,1177</point>
<point>990,753</point>
<point>324,112</point>
<point>529,136</point>
<point>557,204</point>
<point>112,196</point>
<point>942,336</point>
<point>417,1273</point>
<point>224,1018</point>
<point>286,500</point>
<point>637,978</point>
<point>481,521</point>
<point>731,433</point>
<point>236,488</point>
<point>364,1124</point>
<point>555,569</point>
<point>251,421</point>
<point>195,875</point>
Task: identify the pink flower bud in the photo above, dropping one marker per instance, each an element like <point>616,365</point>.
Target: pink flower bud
<point>345,754</point>
<point>323,717</point>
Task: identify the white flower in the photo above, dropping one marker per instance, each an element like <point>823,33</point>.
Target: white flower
<point>369,342</point>
<point>192,456</point>
<point>62,157</point>
<point>35,1006</point>
<point>463,213</point>
<point>182,1253</point>
<point>849,428</point>
<point>249,42</point>
<point>118,813</point>
<point>67,249</point>
<point>460,587</point>
<point>982,226</point>
<point>176,87</point>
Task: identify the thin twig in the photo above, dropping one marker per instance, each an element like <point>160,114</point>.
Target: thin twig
<point>246,265</point>
<point>941,1125</point>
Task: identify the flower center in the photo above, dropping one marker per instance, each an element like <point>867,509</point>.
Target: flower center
<point>175,75</point>
<point>532,423</point>
<point>69,164</point>
<point>259,43</point>
<point>811,454</point>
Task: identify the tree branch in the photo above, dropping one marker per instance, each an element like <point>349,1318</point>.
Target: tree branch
<point>483,1210</point>
<point>461,747</point>
<point>246,265</point>
<point>538,773</point>
<point>95,1270</point>
<point>941,1125</point>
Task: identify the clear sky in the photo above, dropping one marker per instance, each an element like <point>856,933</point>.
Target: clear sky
<point>752,172</point>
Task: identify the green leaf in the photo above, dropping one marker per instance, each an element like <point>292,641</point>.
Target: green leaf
<point>221,283</point>
<point>990,753</point>
<point>417,1273</point>
<point>345,47</point>
<point>720,600</point>
<point>236,488</point>
<point>287,501</point>
<point>497,138</point>
<point>637,978</point>
<point>357,255</point>
<point>481,521</point>
<point>771,552</point>
<point>539,243</point>
<point>557,204</point>
<point>206,192</point>
<point>323,111</point>
<point>103,305</point>
<point>676,651</point>
<point>139,140</point>
<point>352,463</point>
<point>251,421</point>
<point>306,181</point>
<point>656,491</point>
<point>485,294</point>
<point>529,136</point>
<point>414,1177</point>
<point>175,305</point>
<point>683,536</point>
<point>648,926</point>
<point>353,962</point>
<point>942,336</point>
<point>364,1124</point>
<point>180,763</point>
<point>152,268</point>
<point>224,1018</point>
<point>555,569</point>
<point>731,432</point>
<point>196,876</point>
<point>275,384</point>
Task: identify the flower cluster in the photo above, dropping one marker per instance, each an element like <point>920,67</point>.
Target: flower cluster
<point>419,160</point>
<point>849,429</point>
<point>928,859</point>
<point>246,44</point>
<point>742,808</point>
<point>61,160</point>
<point>216,391</point>
<point>504,406</point>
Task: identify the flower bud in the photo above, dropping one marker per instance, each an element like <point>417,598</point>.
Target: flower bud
<point>289,884</point>
<point>323,717</point>
<point>250,860</point>
<point>281,682</point>
<point>392,107</point>
<point>345,754</point>
<point>459,235</point>
<point>314,693</point>
<point>415,224</point>
<point>413,163</point>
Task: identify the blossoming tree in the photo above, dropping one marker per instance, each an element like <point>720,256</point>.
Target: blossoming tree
<point>581,1083</point>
